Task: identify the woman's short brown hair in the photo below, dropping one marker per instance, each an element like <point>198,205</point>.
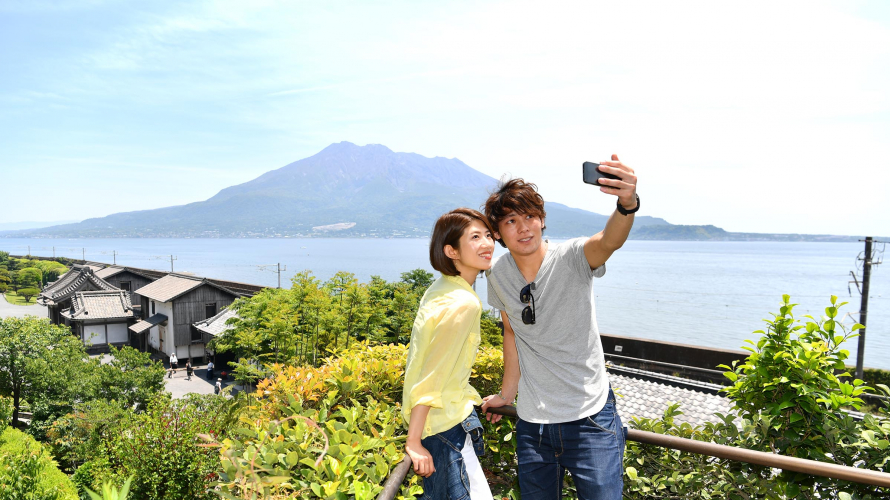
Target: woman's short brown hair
<point>515,195</point>
<point>447,231</point>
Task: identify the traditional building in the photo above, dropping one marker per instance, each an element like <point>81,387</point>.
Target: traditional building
<point>57,296</point>
<point>171,306</point>
<point>130,279</point>
<point>100,318</point>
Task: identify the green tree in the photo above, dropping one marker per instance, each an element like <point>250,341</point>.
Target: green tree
<point>403,308</point>
<point>24,341</point>
<point>418,279</point>
<point>491,332</point>
<point>379,296</point>
<point>14,280</point>
<point>28,293</point>
<point>30,277</point>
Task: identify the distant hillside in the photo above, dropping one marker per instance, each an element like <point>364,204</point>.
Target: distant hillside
<point>344,190</point>
<point>359,191</point>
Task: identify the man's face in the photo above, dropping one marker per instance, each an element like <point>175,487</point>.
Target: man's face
<point>522,233</point>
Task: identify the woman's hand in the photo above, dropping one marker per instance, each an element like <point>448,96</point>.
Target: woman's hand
<point>421,458</point>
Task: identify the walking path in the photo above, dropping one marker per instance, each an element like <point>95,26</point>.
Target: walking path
<point>8,310</point>
<point>179,385</point>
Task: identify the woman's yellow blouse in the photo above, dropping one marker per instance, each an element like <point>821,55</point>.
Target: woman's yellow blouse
<point>443,347</point>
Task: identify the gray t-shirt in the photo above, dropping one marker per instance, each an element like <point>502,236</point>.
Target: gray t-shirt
<point>563,375</point>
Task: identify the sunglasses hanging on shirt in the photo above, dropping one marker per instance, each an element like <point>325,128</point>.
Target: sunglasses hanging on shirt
<point>525,296</point>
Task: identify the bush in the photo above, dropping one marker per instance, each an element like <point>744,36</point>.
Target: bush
<point>790,401</point>
<point>314,453</point>
<point>6,407</point>
<point>363,380</point>
<point>159,448</point>
<point>28,472</point>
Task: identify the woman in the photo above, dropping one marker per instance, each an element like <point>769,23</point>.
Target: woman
<point>444,432</point>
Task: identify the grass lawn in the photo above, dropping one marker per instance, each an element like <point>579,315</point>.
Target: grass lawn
<point>12,298</point>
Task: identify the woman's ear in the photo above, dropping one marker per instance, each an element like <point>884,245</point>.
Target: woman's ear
<point>451,253</point>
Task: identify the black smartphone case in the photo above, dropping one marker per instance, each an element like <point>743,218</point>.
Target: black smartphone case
<point>592,174</point>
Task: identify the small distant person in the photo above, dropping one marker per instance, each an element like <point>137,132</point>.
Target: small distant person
<point>174,361</point>
<point>188,370</point>
<point>218,387</point>
<point>553,356</point>
<point>444,432</point>
<point>210,367</point>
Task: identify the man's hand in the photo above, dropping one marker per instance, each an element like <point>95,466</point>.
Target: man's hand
<point>421,458</point>
<point>493,401</point>
<point>626,188</point>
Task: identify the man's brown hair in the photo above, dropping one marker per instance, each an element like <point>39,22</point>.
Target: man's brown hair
<point>447,231</point>
<point>517,196</point>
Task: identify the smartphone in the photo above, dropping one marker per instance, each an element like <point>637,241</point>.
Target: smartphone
<point>592,174</point>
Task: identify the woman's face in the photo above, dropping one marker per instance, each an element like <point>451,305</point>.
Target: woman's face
<point>476,248</point>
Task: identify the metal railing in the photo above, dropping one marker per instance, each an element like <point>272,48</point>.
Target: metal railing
<point>863,476</point>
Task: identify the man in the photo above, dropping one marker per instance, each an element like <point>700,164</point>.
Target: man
<point>553,357</point>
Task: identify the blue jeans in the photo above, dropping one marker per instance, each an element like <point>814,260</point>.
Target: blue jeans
<point>450,481</point>
<point>591,449</point>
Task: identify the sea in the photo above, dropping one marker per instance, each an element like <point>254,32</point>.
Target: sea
<point>707,293</point>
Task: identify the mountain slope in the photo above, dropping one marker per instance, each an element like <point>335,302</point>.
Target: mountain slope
<point>359,190</point>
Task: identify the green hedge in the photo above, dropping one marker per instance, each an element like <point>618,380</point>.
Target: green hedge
<point>873,376</point>
<point>27,469</point>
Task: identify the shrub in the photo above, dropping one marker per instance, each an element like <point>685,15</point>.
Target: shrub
<point>28,472</point>
<point>314,453</point>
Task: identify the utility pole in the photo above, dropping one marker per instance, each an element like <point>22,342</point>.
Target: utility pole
<point>868,260</point>
<point>172,258</point>
<point>279,269</point>
<point>114,256</point>
<point>29,251</point>
<point>83,254</point>
<point>54,252</point>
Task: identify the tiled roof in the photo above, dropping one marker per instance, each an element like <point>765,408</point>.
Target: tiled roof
<point>148,323</point>
<point>640,394</point>
<point>217,324</point>
<point>100,305</point>
<point>115,270</point>
<point>73,282</point>
<point>173,285</point>
<point>63,280</point>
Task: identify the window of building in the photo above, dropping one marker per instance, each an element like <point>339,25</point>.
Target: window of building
<point>209,310</point>
<point>196,335</point>
<point>125,285</point>
<point>152,308</point>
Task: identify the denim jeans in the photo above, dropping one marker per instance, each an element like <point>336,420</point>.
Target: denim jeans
<point>591,449</point>
<point>450,481</point>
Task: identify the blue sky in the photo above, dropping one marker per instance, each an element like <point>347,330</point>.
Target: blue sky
<point>761,116</point>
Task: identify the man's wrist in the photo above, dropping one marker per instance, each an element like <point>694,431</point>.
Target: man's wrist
<point>623,208</point>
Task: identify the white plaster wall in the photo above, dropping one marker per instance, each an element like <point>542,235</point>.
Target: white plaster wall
<point>197,351</point>
<point>117,332</point>
<point>153,339</point>
<point>94,334</point>
<point>165,308</point>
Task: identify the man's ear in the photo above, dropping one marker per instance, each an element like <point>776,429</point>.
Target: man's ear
<point>497,235</point>
<point>451,253</point>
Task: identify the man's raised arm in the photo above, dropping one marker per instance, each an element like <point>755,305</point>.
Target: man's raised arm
<point>601,245</point>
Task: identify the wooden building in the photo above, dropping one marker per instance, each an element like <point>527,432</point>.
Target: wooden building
<point>58,295</point>
<point>171,306</point>
<point>100,318</point>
